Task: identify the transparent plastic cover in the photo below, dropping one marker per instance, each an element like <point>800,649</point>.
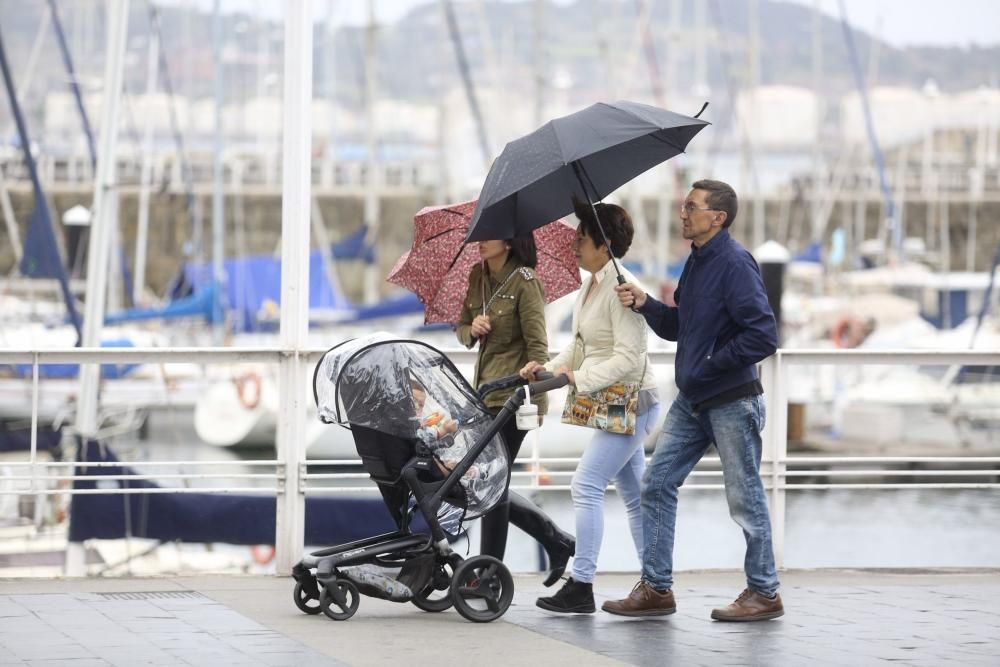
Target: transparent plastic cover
<point>412,391</point>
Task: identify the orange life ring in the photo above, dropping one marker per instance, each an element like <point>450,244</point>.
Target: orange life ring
<point>848,332</point>
<point>543,475</point>
<point>262,554</point>
<point>251,399</point>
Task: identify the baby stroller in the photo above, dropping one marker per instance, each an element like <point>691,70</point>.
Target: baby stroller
<point>377,386</point>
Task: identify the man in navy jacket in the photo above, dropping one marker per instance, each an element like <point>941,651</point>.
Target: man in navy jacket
<point>723,326</point>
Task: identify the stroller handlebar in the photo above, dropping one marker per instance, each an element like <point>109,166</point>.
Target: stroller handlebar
<point>545,382</point>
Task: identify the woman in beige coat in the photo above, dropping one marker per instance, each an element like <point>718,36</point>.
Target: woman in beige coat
<point>609,346</point>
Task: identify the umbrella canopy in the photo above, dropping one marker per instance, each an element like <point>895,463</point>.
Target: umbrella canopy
<point>437,267</point>
<point>590,154</point>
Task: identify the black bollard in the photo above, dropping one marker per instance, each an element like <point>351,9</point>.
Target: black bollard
<point>773,258</point>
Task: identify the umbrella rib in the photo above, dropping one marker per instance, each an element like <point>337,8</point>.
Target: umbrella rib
<point>669,143</point>
<point>455,258</point>
<point>440,234</point>
<point>453,211</point>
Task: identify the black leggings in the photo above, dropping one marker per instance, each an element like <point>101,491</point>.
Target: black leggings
<point>527,516</point>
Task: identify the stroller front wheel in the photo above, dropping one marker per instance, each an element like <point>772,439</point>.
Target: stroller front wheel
<point>339,599</point>
<point>439,586</point>
<point>305,599</point>
<point>482,589</point>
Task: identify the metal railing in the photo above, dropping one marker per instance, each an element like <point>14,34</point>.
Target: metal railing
<point>780,471</point>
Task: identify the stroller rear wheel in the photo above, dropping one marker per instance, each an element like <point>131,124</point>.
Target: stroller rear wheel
<point>482,589</point>
<point>437,595</point>
<point>307,598</point>
<point>339,599</point>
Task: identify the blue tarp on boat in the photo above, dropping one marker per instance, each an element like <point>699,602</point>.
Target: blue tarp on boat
<point>404,303</point>
<point>253,289</point>
<point>812,253</point>
<point>209,517</point>
<point>353,247</point>
<point>198,304</point>
<point>18,439</point>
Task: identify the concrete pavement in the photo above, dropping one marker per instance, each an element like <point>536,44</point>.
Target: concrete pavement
<point>832,618</point>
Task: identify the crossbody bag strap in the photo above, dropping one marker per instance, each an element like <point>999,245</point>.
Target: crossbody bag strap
<point>499,288</point>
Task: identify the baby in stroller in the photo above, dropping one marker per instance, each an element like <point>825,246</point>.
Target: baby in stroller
<point>428,442</point>
<point>437,435</point>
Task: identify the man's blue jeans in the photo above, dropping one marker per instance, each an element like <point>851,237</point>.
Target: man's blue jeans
<point>735,429</point>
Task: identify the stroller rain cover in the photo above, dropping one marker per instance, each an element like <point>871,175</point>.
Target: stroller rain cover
<point>408,389</point>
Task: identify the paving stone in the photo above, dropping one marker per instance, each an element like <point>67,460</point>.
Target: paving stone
<point>851,618</point>
<point>88,629</point>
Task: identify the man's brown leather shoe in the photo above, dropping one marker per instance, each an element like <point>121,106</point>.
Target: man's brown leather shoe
<point>644,600</point>
<point>751,606</point>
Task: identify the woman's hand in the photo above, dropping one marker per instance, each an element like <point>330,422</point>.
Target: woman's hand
<point>480,326</point>
<point>449,426</point>
<point>529,370</point>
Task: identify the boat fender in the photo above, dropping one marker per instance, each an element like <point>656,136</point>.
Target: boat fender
<point>248,389</point>
<point>262,554</point>
<point>847,333</point>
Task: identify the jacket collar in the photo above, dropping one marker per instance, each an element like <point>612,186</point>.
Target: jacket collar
<point>714,245</point>
<point>509,267</point>
<point>606,270</point>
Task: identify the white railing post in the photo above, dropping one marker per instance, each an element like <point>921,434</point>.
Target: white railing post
<point>34,423</point>
<point>295,211</point>
<point>775,437</point>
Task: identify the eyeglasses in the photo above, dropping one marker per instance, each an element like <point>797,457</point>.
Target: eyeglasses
<point>690,208</point>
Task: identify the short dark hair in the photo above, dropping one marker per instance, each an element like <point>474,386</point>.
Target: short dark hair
<point>522,249</point>
<point>721,197</point>
<point>615,221</point>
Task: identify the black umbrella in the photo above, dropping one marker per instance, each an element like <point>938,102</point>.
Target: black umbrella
<point>589,154</point>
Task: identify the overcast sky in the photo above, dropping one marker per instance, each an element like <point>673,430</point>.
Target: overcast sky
<point>899,22</point>
<point>922,22</point>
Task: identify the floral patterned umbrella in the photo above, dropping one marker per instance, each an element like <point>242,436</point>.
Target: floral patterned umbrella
<point>431,271</point>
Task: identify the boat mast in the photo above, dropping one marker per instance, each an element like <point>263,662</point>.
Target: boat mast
<point>105,214</point>
<point>753,86</point>
<point>41,226</point>
<point>192,203</point>
<point>142,231</point>
<point>893,223</point>
<point>372,180</point>
<point>538,62</point>
<point>218,203</point>
<point>73,84</point>
<point>13,232</point>
<point>467,83</point>
<point>817,152</point>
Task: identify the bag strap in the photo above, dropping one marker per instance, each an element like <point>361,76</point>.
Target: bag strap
<point>500,287</point>
<point>583,344</point>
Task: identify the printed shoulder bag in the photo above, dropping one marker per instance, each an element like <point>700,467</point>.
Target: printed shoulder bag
<point>612,409</point>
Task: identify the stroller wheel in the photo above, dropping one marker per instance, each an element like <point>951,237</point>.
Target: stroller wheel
<point>482,589</point>
<point>437,595</point>
<point>341,602</point>
<point>306,600</point>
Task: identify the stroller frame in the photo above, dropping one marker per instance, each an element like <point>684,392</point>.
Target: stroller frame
<point>480,577</point>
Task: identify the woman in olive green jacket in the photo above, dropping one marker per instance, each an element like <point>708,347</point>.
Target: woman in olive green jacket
<point>504,312</point>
